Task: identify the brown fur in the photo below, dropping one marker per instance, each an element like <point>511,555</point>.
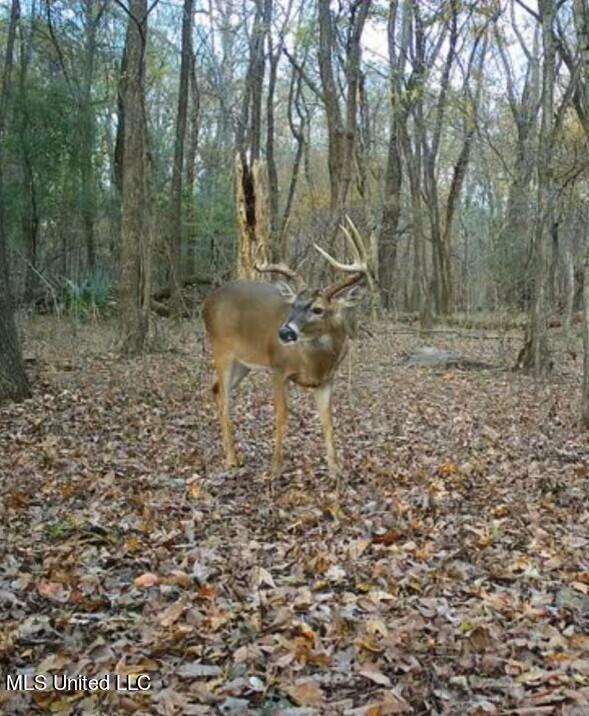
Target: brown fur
<point>242,320</point>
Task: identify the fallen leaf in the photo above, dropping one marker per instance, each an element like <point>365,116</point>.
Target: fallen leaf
<point>306,693</point>
<point>146,580</point>
<point>172,613</point>
<point>196,669</point>
<point>371,672</point>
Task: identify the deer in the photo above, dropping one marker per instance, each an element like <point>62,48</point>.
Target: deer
<point>299,333</point>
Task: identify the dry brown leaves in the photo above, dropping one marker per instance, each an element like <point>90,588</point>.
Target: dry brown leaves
<point>450,577</point>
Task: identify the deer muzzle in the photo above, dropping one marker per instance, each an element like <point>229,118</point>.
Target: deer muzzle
<point>287,333</point>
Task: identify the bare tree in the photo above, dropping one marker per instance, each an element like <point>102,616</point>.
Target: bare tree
<point>275,51</point>
<point>134,282</point>
<point>581,103</point>
<point>13,380</point>
<point>341,121</point>
<point>190,163</point>
<point>415,145</point>
<point>398,37</point>
<point>175,238</point>
<point>577,62</point>
<point>535,355</point>
<point>93,12</point>
<point>524,106</point>
<point>251,174</point>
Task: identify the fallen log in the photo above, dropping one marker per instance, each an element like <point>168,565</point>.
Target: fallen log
<point>164,293</point>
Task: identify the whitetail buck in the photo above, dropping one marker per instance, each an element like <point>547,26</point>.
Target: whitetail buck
<point>299,336</point>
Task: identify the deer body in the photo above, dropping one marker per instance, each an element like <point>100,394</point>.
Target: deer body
<point>301,337</point>
<point>242,319</point>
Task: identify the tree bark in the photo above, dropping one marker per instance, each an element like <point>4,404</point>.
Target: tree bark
<point>515,235</point>
<point>298,132</point>
<point>175,237</point>
<point>274,57</point>
<point>253,216</point>
<point>251,173</point>
<point>585,386</point>
<point>133,292</point>
<point>341,133</point>
<point>190,168</point>
<point>30,211</point>
<point>13,379</point>
<point>535,356</point>
<point>581,104</point>
<point>458,176</point>
<point>391,213</point>
<point>333,114</point>
<point>88,132</point>
<point>441,276</point>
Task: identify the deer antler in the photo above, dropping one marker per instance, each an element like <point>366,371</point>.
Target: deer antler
<point>283,269</point>
<point>356,270</point>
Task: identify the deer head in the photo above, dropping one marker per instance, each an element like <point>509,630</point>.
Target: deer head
<point>315,312</point>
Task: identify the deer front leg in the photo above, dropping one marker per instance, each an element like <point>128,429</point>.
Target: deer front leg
<point>323,401</point>
<point>281,412</point>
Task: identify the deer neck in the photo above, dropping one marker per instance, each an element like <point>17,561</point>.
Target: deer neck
<point>319,358</point>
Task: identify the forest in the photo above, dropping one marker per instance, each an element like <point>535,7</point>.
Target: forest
<point>385,205</point>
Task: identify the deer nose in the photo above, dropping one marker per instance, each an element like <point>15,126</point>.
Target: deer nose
<point>287,334</point>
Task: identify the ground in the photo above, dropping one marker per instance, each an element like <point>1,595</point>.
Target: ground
<point>450,576</point>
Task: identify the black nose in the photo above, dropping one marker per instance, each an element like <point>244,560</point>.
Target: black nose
<point>287,335</point>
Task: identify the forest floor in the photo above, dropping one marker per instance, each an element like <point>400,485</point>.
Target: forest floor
<point>450,576</point>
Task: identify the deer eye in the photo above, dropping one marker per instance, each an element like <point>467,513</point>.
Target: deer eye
<point>317,310</point>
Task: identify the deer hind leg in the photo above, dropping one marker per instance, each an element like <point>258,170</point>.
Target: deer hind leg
<point>323,402</point>
<point>227,371</point>
<point>281,413</point>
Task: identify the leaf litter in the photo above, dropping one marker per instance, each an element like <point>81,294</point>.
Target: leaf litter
<point>450,575</point>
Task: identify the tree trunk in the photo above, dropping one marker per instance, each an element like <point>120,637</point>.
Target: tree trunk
<point>341,133</point>
<point>30,213</point>
<point>441,274</point>
<point>175,238</point>
<point>13,380</point>
<point>581,104</point>
<point>585,388</point>
<point>120,133</point>
<point>273,189</point>
<point>515,235</point>
<point>135,225</point>
<point>535,356</point>
<point>333,115</point>
<point>253,217</point>
<point>249,131</point>
<point>387,240</point>
<point>251,174</point>
<point>458,176</point>
<point>88,132</point>
<point>190,168</point>
<point>298,132</point>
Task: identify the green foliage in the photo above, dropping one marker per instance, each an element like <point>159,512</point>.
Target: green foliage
<point>507,258</point>
<point>60,530</point>
<point>93,293</point>
<point>305,35</point>
<point>214,231</point>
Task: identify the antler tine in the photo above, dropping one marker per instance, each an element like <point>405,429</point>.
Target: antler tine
<point>358,248</point>
<point>356,240</point>
<point>283,269</point>
<point>358,265</point>
<point>356,270</point>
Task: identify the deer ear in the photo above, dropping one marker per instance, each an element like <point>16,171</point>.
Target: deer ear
<point>348,297</point>
<point>286,291</point>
